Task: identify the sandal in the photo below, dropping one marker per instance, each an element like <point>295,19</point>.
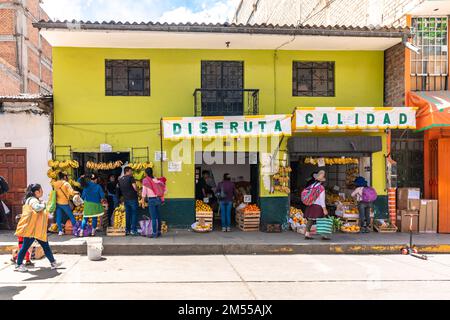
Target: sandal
<point>309,238</point>
<point>326,238</point>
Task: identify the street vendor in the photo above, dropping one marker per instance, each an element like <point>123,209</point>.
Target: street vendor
<point>204,190</point>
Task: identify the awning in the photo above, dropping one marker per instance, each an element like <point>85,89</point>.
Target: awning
<point>434,108</point>
<point>227,126</point>
<point>338,119</point>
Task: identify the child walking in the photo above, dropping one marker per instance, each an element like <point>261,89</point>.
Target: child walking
<point>33,226</point>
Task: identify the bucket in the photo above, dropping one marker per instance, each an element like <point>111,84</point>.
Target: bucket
<point>94,251</point>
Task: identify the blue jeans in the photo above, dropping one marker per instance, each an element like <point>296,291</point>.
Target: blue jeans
<point>27,242</point>
<point>154,204</point>
<point>131,208</point>
<point>225,213</point>
<point>85,221</point>
<point>60,209</point>
<point>364,213</point>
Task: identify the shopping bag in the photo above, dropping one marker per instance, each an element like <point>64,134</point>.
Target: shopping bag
<point>36,251</point>
<point>5,208</point>
<point>324,226</point>
<point>146,227</point>
<point>51,205</point>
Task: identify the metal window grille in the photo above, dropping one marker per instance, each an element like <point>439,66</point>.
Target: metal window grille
<point>407,150</point>
<point>127,77</point>
<point>429,68</point>
<point>313,79</point>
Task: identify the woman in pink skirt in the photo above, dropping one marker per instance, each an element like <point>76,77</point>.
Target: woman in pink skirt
<point>318,209</point>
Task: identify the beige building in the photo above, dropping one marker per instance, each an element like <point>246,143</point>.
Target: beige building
<point>25,57</point>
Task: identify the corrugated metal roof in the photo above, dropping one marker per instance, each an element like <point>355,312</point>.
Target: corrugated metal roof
<point>338,30</point>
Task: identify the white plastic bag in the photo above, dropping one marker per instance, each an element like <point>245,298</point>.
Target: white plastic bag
<point>5,208</point>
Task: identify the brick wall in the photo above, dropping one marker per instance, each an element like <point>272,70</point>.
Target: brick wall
<point>7,21</point>
<point>46,74</point>
<point>394,76</point>
<point>8,51</point>
<point>33,87</point>
<point>9,85</point>
<point>33,62</point>
<point>36,51</point>
<point>46,49</point>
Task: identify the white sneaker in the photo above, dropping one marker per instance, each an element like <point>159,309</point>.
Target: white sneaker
<point>224,229</point>
<point>60,233</point>
<point>228,229</point>
<point>55,265</point>
<point>21,268</point>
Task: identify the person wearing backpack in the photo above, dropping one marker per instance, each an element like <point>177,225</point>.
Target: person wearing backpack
<point>365,196</point>
<point>313,196</point>
<point>153,190</point>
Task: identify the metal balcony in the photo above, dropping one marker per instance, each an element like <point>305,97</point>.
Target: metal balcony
<point>226,102</point>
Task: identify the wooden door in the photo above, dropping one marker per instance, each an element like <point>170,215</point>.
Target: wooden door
<point>444,186</point>
<point>13,167</point>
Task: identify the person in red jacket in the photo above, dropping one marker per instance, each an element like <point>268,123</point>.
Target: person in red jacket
<point>28,261</point>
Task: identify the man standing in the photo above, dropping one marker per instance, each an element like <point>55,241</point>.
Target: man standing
<point>127,188</point>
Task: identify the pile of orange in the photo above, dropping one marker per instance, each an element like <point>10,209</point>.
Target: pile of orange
<point>251,208</point>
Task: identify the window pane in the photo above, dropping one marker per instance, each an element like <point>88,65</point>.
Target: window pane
<point>135,73</point>
<point>120,84</point>
<point>120,72</point>
<point>135,85</point>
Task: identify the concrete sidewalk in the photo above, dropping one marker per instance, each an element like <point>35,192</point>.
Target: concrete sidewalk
<point>185,242</point>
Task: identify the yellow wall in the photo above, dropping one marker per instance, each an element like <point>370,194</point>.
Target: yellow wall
<point>85,117</point>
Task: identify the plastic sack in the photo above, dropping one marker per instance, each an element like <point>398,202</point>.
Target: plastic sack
<point>146,227</point>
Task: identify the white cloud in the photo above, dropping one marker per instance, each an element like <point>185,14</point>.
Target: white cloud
<point>142,10</point>
<point>220,11</point>
<point>64,9</point>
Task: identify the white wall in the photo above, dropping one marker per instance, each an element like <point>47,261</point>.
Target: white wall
<point>30,132</point>
<point>235,171</point>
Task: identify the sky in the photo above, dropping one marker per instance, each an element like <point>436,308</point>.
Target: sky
<point>178,11</point>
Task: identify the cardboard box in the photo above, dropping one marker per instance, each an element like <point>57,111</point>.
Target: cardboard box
<point>428,216</point>
<point>403,220</point>
<point>404,195</point>
<point>413,204</point>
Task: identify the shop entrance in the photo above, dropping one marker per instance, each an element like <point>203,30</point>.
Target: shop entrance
<point>243,170</point>
<point>341,170</point>
<point>98,158</point>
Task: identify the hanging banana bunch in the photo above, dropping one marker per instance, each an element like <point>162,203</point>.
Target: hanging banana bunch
<point>104,165</point>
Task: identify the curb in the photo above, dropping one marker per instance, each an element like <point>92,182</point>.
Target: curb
<point>238,249</point>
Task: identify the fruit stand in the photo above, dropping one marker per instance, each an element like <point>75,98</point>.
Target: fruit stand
<point>118,228</point>
<point>248,217</point>
<point>203,216</point>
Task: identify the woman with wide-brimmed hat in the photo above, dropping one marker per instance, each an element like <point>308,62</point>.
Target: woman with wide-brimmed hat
<point>318,208</point>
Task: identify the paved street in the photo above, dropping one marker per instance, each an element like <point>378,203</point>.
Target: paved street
<point>232,277</point>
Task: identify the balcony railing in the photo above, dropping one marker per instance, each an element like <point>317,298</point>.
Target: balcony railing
<point>226,102</point>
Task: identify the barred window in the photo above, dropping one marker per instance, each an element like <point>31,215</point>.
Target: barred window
<point>313,79</point>
<point>127,77</point>
<point>429,67</point>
